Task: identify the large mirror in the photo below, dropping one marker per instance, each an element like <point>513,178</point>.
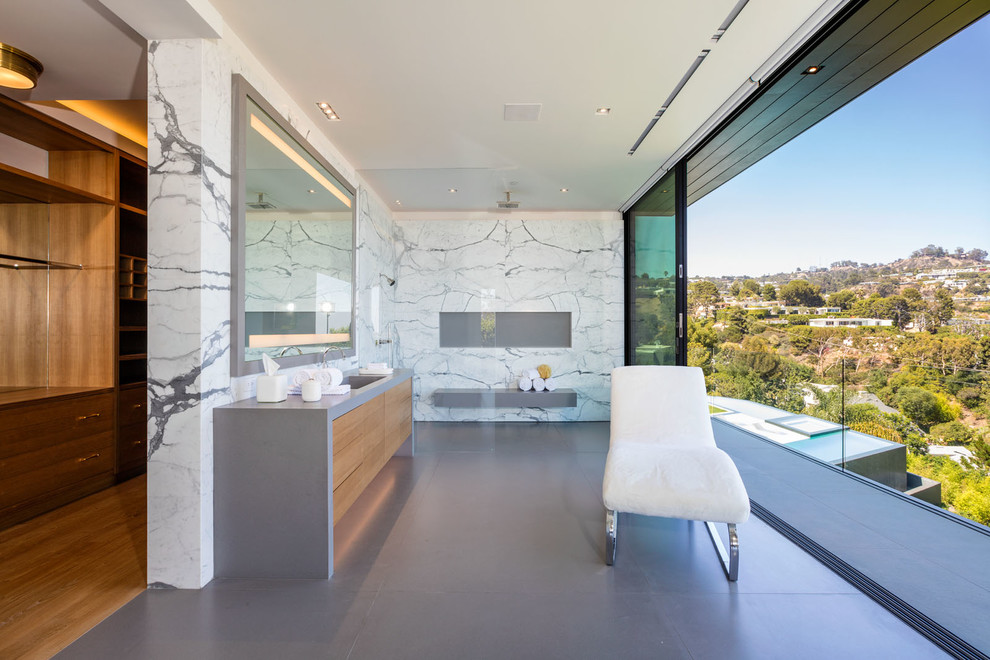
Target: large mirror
<point>293,244</point>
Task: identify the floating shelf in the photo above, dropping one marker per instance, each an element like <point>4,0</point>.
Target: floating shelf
<point>503,398</point>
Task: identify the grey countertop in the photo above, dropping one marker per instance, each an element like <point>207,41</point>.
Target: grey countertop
<point>335,406</point>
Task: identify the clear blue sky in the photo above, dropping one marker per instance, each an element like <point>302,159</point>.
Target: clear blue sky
<point>904,165</point>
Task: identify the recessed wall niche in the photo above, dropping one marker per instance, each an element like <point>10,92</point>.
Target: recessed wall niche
<point>505,329</point>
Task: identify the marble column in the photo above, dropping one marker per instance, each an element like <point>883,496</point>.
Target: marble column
<point>189,123</point>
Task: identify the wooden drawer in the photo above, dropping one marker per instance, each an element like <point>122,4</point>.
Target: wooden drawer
<point>132,406</point>
<point>32,474</point>
<point>132,446</point>
<point>39,425</point>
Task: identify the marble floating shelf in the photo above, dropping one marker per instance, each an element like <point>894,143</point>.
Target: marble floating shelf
<point>503,398</point>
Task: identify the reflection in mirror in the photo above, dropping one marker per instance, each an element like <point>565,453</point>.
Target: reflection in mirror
<point>296,247</point>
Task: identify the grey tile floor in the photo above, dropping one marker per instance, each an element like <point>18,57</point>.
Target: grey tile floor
<point>489,544</point>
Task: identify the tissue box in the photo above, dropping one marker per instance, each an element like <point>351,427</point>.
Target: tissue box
<point>272,389</point>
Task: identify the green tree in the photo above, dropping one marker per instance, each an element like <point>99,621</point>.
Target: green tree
<point>752,286</point>
<point>951,433</point>
<point>734,289</point>
<point>842,299</point>
<point>769,292</point>
<point>923,407</point>
<point>703,294</point>
<point>801,292</point>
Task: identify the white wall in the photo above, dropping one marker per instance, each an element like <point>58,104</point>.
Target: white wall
<point>563,262</point>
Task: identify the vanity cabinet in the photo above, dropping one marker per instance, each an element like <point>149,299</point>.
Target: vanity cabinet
<point>63,211</point>
<point>285,473</point>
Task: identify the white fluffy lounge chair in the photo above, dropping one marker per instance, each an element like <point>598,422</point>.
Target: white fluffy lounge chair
<point>662,459</point>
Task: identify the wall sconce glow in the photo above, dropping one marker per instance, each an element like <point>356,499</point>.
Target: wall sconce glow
<point>293,155</point>
<point>326,307</point>
<point>291,307</point>
<point>18,70</point>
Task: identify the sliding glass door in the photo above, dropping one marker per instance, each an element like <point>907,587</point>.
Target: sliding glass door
<point>655,285</point>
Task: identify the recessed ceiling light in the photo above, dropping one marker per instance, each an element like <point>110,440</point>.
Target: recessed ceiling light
<point>602,111</point>
<point>328,111</point>
<point>311,191</point>
<point>811,70</point>
<point>564,189</point>
<point>451,190</point>
<point>398,202</point>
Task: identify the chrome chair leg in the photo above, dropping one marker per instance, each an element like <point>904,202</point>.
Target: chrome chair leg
<point>729,559</point>
<point>611,521</point>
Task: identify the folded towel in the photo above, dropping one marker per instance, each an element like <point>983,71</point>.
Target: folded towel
<point>337,390</point>
<point>550,384</point>
<point>377,365</point>
<point>368,371</point>
<point>330,377</point>
<point>301,377</point>
<point>539,384</point>
<point>525,384</point>
<point>532,374</point>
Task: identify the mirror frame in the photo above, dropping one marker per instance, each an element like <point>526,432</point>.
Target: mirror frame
<point>242,91</point>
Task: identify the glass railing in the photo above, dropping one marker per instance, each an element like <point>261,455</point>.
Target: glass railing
<point>908,410</point>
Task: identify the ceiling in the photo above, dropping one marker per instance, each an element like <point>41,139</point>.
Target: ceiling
<point>420,87</point>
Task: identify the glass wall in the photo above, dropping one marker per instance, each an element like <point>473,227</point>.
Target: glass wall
<point>652,276</point>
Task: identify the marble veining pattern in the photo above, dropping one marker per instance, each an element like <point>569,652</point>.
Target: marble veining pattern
<point>376,256</point>
<point>511,265</point>
<point>188,301</point>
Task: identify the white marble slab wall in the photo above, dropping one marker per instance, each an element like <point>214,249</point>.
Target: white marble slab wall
<point>377,260</point>
<point>555,264</point>
<point>188,301</point>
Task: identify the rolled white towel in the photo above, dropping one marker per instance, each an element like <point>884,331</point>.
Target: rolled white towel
<point>532,374</point>
<point>301,377</point>
<point>322,376</point>
<point>539,384</point>
<point>525,384</point>
<point>550,384</point>
<point>336,376</point>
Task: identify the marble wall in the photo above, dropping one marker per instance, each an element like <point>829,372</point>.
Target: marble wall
<point>561,263</point>
<point>188,301</point>
<point>189,120</point>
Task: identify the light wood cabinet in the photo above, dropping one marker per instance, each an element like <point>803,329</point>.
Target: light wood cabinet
<point>69,206</point>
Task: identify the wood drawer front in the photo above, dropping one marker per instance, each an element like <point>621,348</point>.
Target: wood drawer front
<point>398,409</point>
<point>35,426</point>
<point>33,474</point>
<point>132,446</point>
<point>132,407</point>
<point>352,433</point>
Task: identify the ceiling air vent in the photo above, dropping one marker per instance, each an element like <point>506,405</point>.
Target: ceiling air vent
<point>522,111</point>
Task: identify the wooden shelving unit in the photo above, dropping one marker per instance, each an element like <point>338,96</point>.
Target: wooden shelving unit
<point>58,229</point>
<point>132,317</point>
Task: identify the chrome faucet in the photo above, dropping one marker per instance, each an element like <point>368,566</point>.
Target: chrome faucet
<point>287,349</point>
<point>332,348</point>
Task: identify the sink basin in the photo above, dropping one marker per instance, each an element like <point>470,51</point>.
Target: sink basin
<point>357,381</point>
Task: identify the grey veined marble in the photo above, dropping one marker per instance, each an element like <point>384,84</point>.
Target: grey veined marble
<point>562,265</point>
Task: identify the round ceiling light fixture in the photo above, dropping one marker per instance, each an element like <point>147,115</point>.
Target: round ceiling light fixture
<point>18,70</point>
